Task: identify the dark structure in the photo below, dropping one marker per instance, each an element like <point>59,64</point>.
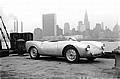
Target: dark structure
<point>18,40</point>
<point>116,52</point>
<point>3,52</point>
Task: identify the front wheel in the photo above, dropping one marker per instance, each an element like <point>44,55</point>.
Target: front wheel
<point>71,54</point>
<point>34,53</point>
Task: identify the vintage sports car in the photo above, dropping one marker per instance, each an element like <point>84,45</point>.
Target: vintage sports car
<point>72,50</point>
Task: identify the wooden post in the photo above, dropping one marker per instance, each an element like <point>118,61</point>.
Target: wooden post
<point>117,61</point>
<point>117,57</point>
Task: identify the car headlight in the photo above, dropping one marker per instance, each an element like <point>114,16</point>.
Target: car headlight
<point>87,48</point>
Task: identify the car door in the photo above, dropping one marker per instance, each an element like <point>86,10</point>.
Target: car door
<point>49,48</point>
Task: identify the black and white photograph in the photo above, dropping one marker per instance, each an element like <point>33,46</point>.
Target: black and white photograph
<point>59,39</point>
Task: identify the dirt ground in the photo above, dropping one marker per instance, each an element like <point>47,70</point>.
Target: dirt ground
<point>22,67</point>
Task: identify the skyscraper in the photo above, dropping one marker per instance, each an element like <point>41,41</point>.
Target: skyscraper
<point>81,27</point>
<point>102,25</point>
<point>37,34</point>
<point>78,27</point>
<point>21,26</point>
<point>98,27</point>
<point>49,25</point>
<point>66,28</point>
<point>16,26</point>
<point>86,22</point>
<point>59,30</point>
<point>116,28</point>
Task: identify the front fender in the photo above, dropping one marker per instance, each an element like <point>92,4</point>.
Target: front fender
<point>79,46</point>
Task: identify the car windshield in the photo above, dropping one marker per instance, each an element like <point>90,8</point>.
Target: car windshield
<point>60,39</point>
<point>72,39</point>
<point>56,40</point>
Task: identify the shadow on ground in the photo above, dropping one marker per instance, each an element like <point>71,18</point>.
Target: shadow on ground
<point>62,59</point>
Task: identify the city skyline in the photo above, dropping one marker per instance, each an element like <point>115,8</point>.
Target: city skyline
<point>30,12</point>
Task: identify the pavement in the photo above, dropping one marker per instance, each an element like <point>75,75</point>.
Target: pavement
<point>22,67</point>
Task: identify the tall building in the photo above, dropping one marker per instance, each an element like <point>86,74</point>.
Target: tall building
<point>98,27</point>
<point>66,28</point>
<point>59,30</point>
<point>102,25</point>
<point>116,28</point>
<point>73,31</point>
<point>37,34</point>
<point>97,31</point>
<point>16,26</point>
<point>81,27</point>
<point>78,27</point>
<point>49,24</point>
<point>1,12</point>
<point>86,22</point>
<point>21,26</point>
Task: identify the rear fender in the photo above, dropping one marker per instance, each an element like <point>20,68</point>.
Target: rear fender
<point>30,44</point>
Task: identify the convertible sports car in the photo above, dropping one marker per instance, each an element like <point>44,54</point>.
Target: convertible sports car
<point>72,50</point>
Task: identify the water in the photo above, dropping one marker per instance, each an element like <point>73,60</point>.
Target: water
<point>110,46</point>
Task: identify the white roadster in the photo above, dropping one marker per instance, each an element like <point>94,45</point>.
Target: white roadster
<point>72,50</point>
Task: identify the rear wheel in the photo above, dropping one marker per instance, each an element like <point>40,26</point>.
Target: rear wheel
<point>34,53</point>
<point>71,55</point>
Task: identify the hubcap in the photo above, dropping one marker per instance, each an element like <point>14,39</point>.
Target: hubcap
<point>71,55</point>
<point>33,52</point>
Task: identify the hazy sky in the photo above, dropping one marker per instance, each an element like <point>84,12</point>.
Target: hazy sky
<point>72,11</point>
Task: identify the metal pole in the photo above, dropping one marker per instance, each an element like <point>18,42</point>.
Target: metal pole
<point>4,38</point>
<point>5,28</point>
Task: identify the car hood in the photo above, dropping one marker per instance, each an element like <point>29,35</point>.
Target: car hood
<point>94,43</point>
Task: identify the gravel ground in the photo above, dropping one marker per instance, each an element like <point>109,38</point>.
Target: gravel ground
<point>22,67</point>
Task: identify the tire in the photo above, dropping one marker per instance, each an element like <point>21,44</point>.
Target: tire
<point>71,55</point>
<point>34,53</point>
<point>91,59</point>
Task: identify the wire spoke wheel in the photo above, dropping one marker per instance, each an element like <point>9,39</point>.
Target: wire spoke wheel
<point>71,55</point>
<point>34,53</point>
